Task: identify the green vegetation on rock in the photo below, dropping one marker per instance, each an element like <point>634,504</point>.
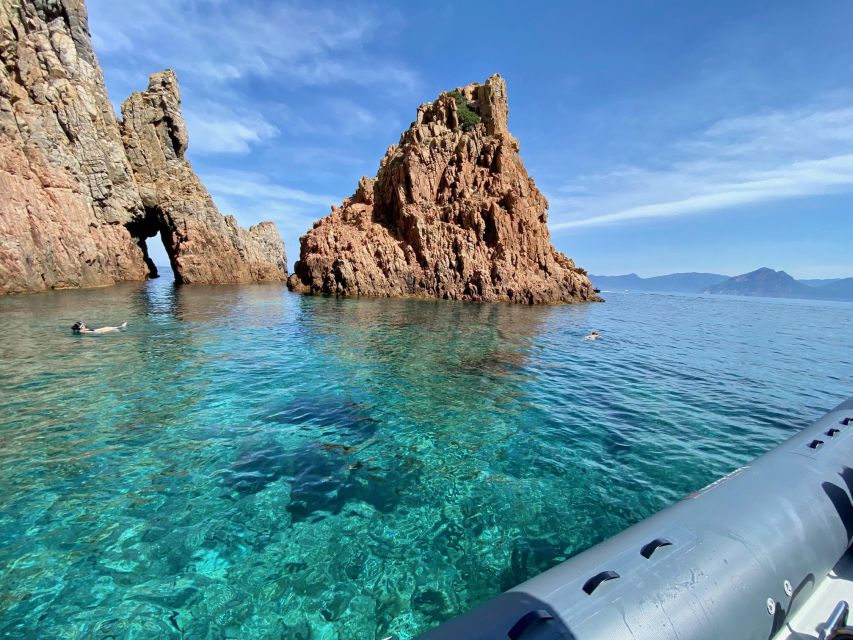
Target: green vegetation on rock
<point>467,116</point>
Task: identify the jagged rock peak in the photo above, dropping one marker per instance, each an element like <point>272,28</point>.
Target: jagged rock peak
<point>488,101</point>
<point>78,195</point>
<point>451,213</point>
<point>163,96</point>
<point>203,245</point>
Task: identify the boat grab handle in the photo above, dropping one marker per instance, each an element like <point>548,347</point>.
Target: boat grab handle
<point>653,546</point>
<point>526,621</point>
<point>592,584</point>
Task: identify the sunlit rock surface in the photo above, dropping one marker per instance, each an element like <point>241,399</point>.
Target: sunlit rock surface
<point>452,214</point>
<point>73,210</point>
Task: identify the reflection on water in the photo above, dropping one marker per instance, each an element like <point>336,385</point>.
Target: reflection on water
<point>244,462</point>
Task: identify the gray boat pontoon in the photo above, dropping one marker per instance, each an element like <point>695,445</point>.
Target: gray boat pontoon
<point>761,554</point>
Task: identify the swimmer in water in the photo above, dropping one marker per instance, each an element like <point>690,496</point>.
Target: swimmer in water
<point>80,327</point>
<point>593,335</point>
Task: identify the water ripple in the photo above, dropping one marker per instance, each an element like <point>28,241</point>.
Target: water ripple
<point>243,462</point>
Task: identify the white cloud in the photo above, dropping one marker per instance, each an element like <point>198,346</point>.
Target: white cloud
<point>359,70</point>
<point>334,118</point>
<point>216,128</point>
<point>220,42</point>
<point>248,184</point>
<point>737,161</point>
<point>253,70</point>
<point>252,196</point>
<point>351,119</point>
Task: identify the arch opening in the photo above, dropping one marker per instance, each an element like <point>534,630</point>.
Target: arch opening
<point>158,254</point>
<point>157,258</point>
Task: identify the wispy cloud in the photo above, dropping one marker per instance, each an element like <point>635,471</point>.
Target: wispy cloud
<point>217,128</point>
<point>253,71</point>
<point>220,42</point>
<point>334,118</point>
<point>737,161</point>
<point>252,196</point>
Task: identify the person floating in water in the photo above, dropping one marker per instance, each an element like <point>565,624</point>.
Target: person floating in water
<point>80,327</point>
<point>593,335</point>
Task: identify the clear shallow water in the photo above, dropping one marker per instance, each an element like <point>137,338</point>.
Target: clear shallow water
<point>248,463</point>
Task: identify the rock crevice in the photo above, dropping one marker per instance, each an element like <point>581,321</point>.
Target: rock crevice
<point>80,191</point>
<point>452,213</point>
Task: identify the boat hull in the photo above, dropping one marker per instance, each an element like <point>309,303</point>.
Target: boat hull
<point>732,561</point>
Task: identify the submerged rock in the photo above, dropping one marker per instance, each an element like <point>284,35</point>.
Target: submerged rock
<point>451,213</point>
<point>76,205</point>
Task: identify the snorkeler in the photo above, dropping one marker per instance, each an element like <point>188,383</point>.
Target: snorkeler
<point>593,335</point>
<point>80,327</point>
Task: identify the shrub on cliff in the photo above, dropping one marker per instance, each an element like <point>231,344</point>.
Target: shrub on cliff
<point>467,116</point>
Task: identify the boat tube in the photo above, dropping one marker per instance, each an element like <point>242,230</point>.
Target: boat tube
<point>733,561</point>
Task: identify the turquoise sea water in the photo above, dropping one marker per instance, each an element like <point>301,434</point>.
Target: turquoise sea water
<point>244,462</point>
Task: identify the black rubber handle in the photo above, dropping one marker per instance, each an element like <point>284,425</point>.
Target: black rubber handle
<point>653,546</point>
<point>528,619</point>
<point>815,444</point>
<point>833,432</point>
<point>592,584</point>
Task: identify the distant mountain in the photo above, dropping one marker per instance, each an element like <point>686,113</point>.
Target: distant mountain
<point>820,282</point>
<point>838,290</point>
<point>763,282</point>
<point>630,281</point>
<point>672,283</point>
<point>778,284</point>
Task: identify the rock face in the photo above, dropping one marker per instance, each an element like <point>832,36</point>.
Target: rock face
<point>203,245</point>
<point>452,213</point>
<point>74,212</point>
<point>67,194</point>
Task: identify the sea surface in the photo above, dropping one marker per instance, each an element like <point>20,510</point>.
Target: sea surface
<point>243,462</point>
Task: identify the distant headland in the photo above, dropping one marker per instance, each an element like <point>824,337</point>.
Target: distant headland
<point>763,282</point>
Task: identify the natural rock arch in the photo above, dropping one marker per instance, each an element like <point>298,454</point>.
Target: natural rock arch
<point>81,192</point>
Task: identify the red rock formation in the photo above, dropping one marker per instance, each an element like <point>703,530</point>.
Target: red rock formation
<point>67,194</point>
<point>203,245</point>
<point>452,213</point>
<point>71,213</point>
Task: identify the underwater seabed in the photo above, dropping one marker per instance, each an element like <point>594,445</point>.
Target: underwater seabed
<point>245,462</point>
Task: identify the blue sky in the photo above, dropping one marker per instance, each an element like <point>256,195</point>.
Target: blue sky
<point>668,136</point>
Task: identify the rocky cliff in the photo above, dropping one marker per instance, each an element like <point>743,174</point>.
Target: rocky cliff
<point>451,213</point>
<point>203,245</point>
<point>78,193</point>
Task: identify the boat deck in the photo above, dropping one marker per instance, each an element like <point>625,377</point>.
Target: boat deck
<point>809,621</point>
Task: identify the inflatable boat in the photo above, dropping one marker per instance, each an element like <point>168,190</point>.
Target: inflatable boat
<point>761,554</point>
